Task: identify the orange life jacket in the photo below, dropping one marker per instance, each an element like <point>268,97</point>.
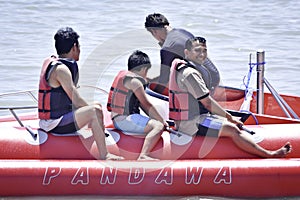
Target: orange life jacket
<point>182,105</point>
<point>54,102</point>
<point>120,99</point>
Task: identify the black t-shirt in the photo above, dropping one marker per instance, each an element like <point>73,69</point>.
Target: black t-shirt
<point>172,48</point>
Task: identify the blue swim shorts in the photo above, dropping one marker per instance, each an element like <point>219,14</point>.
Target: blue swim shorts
<point>134,123</point>
<point>210,126</point>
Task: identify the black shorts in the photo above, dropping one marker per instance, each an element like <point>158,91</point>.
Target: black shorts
<point>66,125</point>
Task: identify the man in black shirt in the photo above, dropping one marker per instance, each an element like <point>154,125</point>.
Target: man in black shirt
<point>172,42</point>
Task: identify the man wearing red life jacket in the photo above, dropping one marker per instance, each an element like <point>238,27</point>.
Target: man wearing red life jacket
<point>126,97</point>
<point>195,112</point>
<point>61,109</point>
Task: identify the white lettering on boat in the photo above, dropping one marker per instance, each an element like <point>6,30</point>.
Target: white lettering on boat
<point>165,175</point>
<point>81,176</point>
<point>193,175</point>
<point>224,175</point>
<point>51,173</point>
<point>136,176</point>
<point>109,175</point>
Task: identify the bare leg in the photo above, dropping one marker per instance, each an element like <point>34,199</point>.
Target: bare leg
<point>93,115</point>
<point>242,140</point>
<point>154,129</point>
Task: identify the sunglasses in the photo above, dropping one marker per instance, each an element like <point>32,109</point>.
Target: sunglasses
<point>200,39</point>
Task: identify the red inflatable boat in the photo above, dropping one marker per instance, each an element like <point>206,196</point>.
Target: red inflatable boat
<point>33,162</point>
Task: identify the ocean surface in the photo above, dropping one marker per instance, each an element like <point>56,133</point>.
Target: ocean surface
<point>111,30</point>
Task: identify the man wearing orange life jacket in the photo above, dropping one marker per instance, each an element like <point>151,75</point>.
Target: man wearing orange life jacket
<point>195,112</point>
<point>126,97</point>
<point>61,109</point>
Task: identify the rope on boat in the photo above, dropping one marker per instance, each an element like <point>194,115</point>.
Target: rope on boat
<point>246,83</point>
<point>249,93</point>
<point>245,107</point>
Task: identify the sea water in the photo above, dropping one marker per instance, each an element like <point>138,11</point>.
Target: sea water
<point>111,30</point>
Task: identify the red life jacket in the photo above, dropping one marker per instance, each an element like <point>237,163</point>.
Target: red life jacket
<point>178,99</point>
<point>44,90</point>
<point>54,102</point>
<point>120,99</point>
<point>182,105</point>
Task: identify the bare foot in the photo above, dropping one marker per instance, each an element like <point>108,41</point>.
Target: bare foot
<point>145,157</point>
<point>110,156</point>
<point>283,151</point>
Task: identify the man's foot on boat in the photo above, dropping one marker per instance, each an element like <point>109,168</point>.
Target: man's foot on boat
<point>145,157</point>
<point>283,151</point>
<point>110,156</point>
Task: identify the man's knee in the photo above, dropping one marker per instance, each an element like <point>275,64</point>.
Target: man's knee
<point>98,104</point>
<point>160,126</point>
<point>229,130</point>
<point>98,107</point>
<point>97,110</point>
<point>154,124</point>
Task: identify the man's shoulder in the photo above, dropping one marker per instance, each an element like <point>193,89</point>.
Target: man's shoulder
<point>188,70</point>
<point>134,79</point>
<point>137,80</point>
<point>176,39</point>
<point>133,82</point>
<point>59,66</point>
<point>183,65</point>
<point>181,32</point>
<point>55,63</point>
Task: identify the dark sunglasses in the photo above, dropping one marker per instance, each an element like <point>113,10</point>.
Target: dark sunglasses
<point>200,39</point>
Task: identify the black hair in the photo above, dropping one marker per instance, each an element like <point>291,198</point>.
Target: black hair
<point>138,60</point>
<point>65,38</point>
<point>156,20</point>
<point>190,41</point>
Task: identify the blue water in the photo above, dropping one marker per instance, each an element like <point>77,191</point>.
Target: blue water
<point>111,30</point>
<point>234,29</point>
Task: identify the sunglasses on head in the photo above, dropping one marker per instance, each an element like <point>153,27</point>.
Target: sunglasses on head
<point>201,39</point>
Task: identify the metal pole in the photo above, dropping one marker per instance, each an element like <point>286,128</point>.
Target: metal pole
<point>277,98</point>
<point>260,57</point>
<point>34,135</point>
<point>281,102</point>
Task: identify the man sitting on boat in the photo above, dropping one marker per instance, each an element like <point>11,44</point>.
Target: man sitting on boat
<point>61,109</point>
<point>172,41</point>
<point>127,95</point>
<point>195,112</point>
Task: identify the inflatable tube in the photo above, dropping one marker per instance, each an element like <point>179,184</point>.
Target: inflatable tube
<point>188,166</point>
<point>17,143</point>
<point>255,178</point>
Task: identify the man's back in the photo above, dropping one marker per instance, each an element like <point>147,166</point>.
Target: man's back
<point>172,48</point>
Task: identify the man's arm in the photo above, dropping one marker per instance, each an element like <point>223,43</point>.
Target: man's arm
<point>138,89</point>
<point>214,107</point>
<point>198,89</point>
<point>61,76</point>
